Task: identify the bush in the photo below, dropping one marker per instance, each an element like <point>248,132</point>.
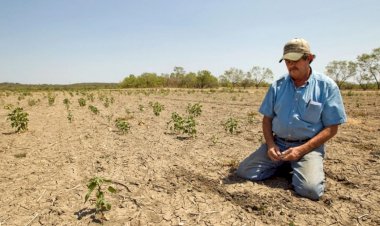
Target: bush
<point>184,125</point>
<point>19,119</point>
<point>82,102</point>
<point>93,109</point>
<point>157,108</point>
<point>231,125</point>
<point>122,125</point>
<point>194,110</point>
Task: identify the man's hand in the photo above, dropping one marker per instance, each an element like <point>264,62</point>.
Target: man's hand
<point>292,154</point>
<point>274,153</point>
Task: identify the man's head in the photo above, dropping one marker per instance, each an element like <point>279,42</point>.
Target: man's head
<point>296,49</point>
<point>297,56</point>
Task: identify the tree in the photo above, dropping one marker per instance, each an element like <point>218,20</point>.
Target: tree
<point>177,76</point>
<point>247,80</point>
<point>206,80</point>
<point>234,76</point>
<point>190,80</point>
<point>224,81</point>
<point>149,80</point>
<point>129,82</point>
<point>260,75</point>
<point>369,67</point>
<point>341,71</point>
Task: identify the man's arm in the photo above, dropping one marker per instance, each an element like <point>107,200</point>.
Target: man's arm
<point>273,150</point>
<point>295,153</point>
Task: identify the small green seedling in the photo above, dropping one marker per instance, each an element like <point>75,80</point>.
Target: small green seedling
<point>251,117</point>
<point>184,125</point>
<point>70,117</point>
<point>90,97</point>
<point>231,125</point>
<point>157,108</point>
<point>194,110</point>
<point>123,125</point>
<point>19,119</point>
<point>93,109</point>
<point>82,102</point>
<point>51,99</point>
<point>96,183</point>
<point>106,102</point>
<point>66,102</point>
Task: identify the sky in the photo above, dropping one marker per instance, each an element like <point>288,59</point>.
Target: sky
<point>75,41</point>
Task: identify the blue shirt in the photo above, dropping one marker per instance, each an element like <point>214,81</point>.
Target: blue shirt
<point>300,113</point>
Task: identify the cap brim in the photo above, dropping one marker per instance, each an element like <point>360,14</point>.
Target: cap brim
<point>292,56</point>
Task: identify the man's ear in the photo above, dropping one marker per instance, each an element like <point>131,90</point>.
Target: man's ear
<point>311,57</point>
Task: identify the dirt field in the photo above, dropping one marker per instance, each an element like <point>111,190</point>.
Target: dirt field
<point>163,179</point>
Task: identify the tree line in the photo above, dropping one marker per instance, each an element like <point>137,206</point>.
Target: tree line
<point>364,71</point>
<point>179,78</point>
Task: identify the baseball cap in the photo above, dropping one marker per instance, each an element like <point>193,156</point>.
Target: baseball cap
<point>295,49</point>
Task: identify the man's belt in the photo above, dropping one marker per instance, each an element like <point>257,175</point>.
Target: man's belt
<point>292,141</point>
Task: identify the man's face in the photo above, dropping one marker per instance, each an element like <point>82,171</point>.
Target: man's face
<point>298,69</point>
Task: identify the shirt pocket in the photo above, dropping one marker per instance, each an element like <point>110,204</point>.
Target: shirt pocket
<point>313,112</point>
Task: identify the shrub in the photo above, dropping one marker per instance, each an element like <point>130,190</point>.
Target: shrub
<point>101,204</point>
<point>122,125</point>
<point>51,99</point>
<point>194,110</point>
<point>66,102</point>
<point>82,102</point>
<point>19,119</point>
<point>231,125</point>
<point>251,117</point>
<point>157,108</point>
<point>183,125</point>
<point>93,109</point>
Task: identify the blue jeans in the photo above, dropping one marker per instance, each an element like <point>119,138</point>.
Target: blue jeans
<point>308,175</point>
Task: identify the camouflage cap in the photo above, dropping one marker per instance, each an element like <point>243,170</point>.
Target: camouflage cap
<point>295,49</point>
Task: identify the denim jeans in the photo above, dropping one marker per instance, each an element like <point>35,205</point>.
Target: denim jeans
<point>308,175</point>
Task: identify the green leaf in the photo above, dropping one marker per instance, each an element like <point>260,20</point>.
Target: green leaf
<point>87,196</point>
<point>100,195</point>
<point>92,185</point>
<point>107,181</point>
<point>108,206</point>
<point>111,189</point>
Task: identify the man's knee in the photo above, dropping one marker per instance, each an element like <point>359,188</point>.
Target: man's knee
<point>254,173</point>
<point>245,172</point>
<point>310,190</point>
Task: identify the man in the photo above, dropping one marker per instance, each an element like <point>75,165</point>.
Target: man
<point>302,110</point>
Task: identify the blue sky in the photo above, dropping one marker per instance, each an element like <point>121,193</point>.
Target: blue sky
<point>71,41</point>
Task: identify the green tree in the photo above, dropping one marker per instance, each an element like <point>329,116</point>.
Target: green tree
<point>234,76</point>
<point>129,82</point>
<point>206,80</point>
<point>190,80</point>
<point>341,71</point>
<point>369,68</point>
<point>177,77</point>
<point>259,75</point>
